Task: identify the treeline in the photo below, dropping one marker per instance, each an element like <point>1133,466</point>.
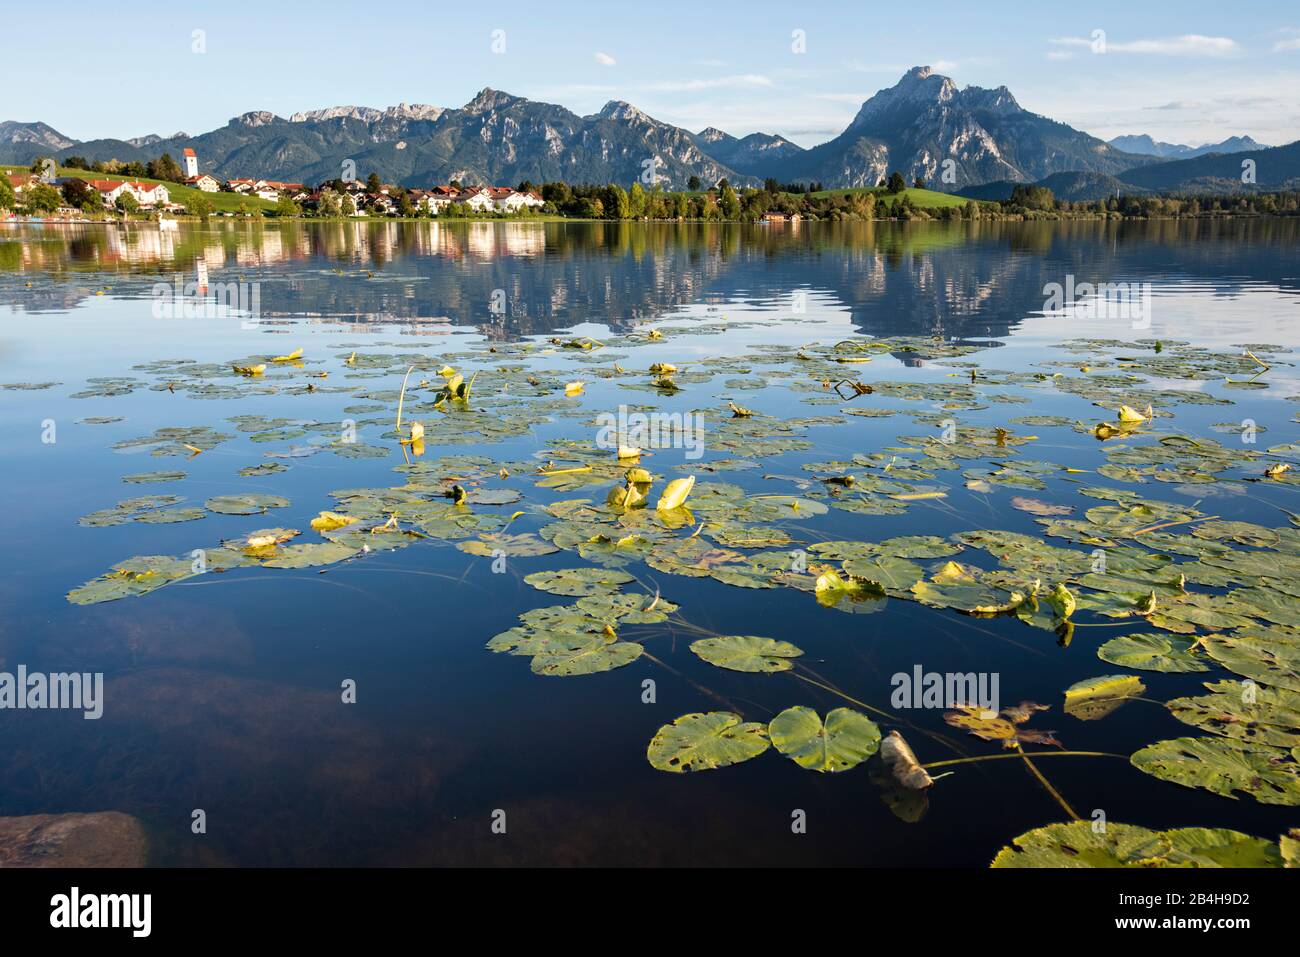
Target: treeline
<point>163,168</point>
<point>724,202</point>
<point>1037,202</point>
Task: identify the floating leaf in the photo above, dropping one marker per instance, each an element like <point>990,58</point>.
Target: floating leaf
<point>516,546</point>
<point>250,503</point>
<point>584,654</point>
<point>1006,726</point>
<point>845,740</point>
<point>1080,844</point>
<point>1153,652</point>
<point>698,742</point>
<point>1225,767</point>
<point>1244,711</point>
<point>1095,698</point>
<point>746,653</point>
<point>579,581</point>
<point>674,494</point>
<point>328,521</point>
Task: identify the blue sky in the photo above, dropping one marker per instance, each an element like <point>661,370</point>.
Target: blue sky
<point>1188,72</point>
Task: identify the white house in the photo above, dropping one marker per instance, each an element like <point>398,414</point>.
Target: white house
<point>110,189</point>
<point>477,198</point>
<point>150,194</point>
<point>512,201</point>
<point>203,182</point>
<point>191,162</point>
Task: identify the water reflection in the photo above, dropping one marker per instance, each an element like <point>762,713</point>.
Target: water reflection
<point>968,280</point>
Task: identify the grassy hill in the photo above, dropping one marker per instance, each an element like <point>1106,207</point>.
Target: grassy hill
<point>921,198</point>
<point>221,202</point>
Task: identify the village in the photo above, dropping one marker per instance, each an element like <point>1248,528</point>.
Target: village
<point>340,197</point>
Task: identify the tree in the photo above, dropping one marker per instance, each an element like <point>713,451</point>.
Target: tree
<point>681,206</point>
<point>42,198</point>
<point>7,198</point>
<point>896,182</point>
<point>730,203</point>
<point>200,205</point>
<point>285,208</point>
<point>81,195</point>
<point>771,185</point>
<point>164,168</point>
<point>919,183</point>
<point>348,206</point>
<point>615,201</point>
<point>126,202</point>
<point>636,201</point>
<point>328,204</point>
<point>1032,197</point>
<point>373,183</point>
<point>693,184</point>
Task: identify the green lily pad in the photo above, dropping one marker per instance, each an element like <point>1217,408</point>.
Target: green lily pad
<point>845,740</point>
<point>1153,652</point>
<point>248,503</point>
<point>582,654</point>
<point>1095,698</point>
<point>746,653</point>
<point>579,581</point>
<point>1080,844</point>
<point>1224,766</point>
<point>309,555</point>
<point>516,546</point>
<point>702,741</point>
<point>1243,711</point>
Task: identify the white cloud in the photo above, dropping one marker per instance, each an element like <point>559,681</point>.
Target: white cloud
<point>1060,55</point>
<point>944,66</point>
<point>604,59</point>
<point>1283,46</point>
<point>1191,44</point>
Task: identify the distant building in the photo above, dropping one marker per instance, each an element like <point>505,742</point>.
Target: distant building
<point>478,198</point>
<point>191,162</point>
<point>110,189</point>
<point>150,194</point>
<point>203,182</point>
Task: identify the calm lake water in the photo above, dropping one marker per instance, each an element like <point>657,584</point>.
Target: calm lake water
<point>223,690</point>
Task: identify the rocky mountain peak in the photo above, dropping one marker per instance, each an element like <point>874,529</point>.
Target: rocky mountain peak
<point>489,99</point>
<point>255,118</point>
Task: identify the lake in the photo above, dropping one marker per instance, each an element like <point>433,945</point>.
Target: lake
<point>327,697</point>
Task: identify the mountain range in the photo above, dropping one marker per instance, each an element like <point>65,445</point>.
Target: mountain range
<point>958,140</point>
<point>1144,145</point>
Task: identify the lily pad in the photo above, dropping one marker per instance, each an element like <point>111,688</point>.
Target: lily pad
<point>702,741</point>
<point>1079,844</point>
<point>747,653</point>
<point>1153,652</point>
<point>579,581</point>
<point>845,740</point>
<point>1225,767</point>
